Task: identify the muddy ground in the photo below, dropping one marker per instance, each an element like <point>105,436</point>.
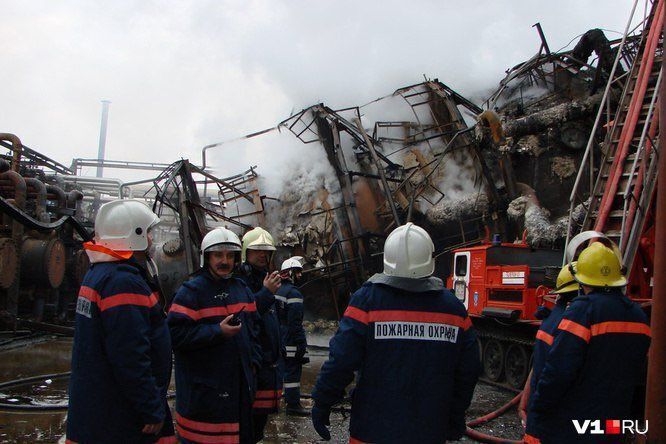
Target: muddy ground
<point>52,355</point>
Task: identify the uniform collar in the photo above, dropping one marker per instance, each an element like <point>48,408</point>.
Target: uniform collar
<point>420,285</point>
<point>98,253</point>
<point>206,272</point>
<point>251,270</point>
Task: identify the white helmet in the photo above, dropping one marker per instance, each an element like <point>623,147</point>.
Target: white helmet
<point>292,262</point>
<point>122,225</point>
<point>219,239</point>
<point>408,252</point>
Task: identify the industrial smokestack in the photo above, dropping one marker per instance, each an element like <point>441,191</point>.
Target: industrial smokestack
<point>102,137</point>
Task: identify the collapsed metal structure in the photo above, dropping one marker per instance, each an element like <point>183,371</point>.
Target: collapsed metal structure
<point>462,171</point>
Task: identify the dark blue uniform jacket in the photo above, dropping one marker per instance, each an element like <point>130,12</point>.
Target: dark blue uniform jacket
<point>121,359</point>
<point>214,377</point>
<point>269,380</point>
<point>417,358</point>
<point>544,340</point>
<point>289,303</point>
<point>596,361</point>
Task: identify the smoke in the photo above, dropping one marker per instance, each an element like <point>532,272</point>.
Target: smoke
<point>284,163</point>
<point>455,175</point>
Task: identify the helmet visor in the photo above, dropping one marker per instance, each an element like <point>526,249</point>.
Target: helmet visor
<point>225,246</point>
<point>261,247</point>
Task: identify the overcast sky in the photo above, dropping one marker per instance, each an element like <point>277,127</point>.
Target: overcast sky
<point>183,74</point>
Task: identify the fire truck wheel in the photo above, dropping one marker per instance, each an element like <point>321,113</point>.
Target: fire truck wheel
<point>493,360</point>
<point>516,365</point>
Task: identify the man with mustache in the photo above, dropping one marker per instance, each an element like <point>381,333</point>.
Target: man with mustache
<point>258,248</point>
<point>212,322</point>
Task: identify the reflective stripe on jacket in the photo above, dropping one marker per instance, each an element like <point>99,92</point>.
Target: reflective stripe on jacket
<point>269,380</point>
<point>214,378</point>
<point>417,360</point>
<point>596,361</point>
<point>121,358</point>
<point>544,340</point>
<point>289,303</point>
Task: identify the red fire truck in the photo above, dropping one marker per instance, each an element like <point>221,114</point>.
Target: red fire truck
<point>502,285</point>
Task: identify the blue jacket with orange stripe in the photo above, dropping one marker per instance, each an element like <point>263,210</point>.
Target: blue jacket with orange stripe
<point>544,340</point>
<point>269,379</point>
<point>214,376</point>
<point>121,358</point>
<point>417,359</point>
<point>596,361</point>
<point>289,303</point>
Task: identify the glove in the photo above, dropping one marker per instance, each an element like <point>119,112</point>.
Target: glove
<point>320,419</point>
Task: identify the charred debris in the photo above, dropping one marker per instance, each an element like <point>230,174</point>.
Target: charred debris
<point>464,171</point>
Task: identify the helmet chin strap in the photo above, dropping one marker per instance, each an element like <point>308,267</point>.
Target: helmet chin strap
<point>152,265</point>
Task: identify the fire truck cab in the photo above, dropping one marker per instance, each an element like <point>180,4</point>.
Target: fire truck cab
<point>502,280</point>
<point>502,285</point>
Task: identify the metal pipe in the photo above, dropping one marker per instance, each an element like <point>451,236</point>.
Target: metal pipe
<point>248,136</point>
<point>20,196</point>
<point>60,195</point>
<point>122,186</point>
<point>102,136</point>
<point>109,185</point>
<point>20,187</point>
<point>92,180</point>
<point>74,196</point>
<point>74,199</point>
<point>17,149</point>
<point>40,199</point>
<point>656,393</point>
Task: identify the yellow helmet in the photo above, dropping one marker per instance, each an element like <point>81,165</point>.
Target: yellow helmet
<point>565,280</point>
<point>257,239</point>
<point>599,266</point>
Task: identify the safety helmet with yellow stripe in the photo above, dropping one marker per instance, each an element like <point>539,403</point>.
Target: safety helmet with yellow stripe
<point>257,239</point>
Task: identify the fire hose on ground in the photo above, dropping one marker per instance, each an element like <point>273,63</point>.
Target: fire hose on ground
<point>485,438</point>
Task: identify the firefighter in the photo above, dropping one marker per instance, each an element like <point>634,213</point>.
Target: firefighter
<point>121,357</point>
<point>414,349</point>
<point>258,248</point>
<point>289,303</point>
<point>597,358</point>
<point>566,288</point>
<point>212,323</point>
